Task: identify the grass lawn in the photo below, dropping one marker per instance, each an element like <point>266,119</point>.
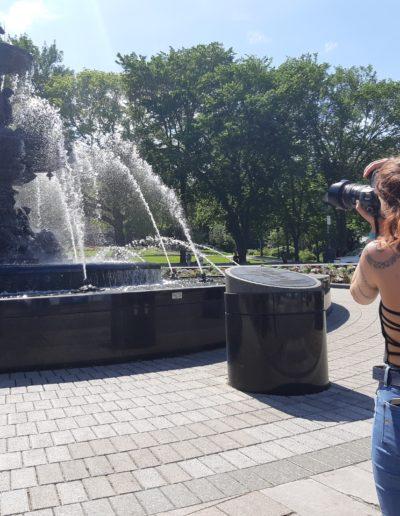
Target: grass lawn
<point>157,256</point>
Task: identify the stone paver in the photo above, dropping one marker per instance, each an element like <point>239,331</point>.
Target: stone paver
<point>252,504</point>
<point>353,481</point>
<point>171,436</point>
<point>313,498</point>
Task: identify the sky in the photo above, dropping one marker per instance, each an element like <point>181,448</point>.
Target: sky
<point>92,32</point>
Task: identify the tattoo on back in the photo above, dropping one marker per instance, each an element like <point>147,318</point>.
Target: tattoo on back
<point>382,264</point>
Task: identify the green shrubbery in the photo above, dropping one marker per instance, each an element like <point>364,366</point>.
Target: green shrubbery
<point>307,256</point>
<point>276,252</point>
<point>220,238</point>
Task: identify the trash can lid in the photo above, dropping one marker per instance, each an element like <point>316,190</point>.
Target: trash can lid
<point>261,279</point>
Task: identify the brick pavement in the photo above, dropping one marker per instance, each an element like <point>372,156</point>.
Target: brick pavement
<point>170,436</point>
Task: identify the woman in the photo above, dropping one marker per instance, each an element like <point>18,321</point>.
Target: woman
<point>378,272</point>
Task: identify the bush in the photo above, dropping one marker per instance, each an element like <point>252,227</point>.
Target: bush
<point>306,256</point>
<point>219,238</point>
<point>276,252</point>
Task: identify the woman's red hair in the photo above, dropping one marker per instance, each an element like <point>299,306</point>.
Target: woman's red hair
<point>388,188</point>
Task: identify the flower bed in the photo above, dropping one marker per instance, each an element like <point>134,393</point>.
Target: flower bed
<point>337,273</point>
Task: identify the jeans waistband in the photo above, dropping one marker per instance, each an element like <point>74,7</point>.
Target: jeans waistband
<point>387,375</point>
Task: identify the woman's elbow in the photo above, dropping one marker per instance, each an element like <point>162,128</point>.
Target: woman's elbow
<point>361,298</point>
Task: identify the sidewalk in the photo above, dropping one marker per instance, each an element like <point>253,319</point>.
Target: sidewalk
<point>170,436</point>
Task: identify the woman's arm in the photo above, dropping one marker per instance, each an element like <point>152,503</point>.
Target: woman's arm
<point>363,286</point>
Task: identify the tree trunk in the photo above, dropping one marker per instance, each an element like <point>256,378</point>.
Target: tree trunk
<point>242,254</point>
<point>287,245</point>
<point>241,248</point>
<point>296,248</point>
<point>119,232</point>
<point>261,244</point>
<point>341,231</point>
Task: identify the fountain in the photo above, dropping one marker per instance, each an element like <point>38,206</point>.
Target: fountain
<point>18,243</point>
<point>56,313</point>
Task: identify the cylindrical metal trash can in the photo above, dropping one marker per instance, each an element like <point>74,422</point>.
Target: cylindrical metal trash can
<point>275,331</point>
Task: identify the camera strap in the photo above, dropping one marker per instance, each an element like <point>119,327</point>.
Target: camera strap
<point>376,224</point>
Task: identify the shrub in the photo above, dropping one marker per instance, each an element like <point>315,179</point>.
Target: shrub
<point>306,256</point>
<point>219,238</point>
<point>276,252</point>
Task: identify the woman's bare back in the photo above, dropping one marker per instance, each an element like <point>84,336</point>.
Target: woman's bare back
<point>379,271</point>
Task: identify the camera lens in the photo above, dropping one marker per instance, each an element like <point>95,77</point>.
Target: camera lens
<point>345,194</point>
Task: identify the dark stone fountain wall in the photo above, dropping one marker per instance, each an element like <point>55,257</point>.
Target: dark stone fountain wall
<point>86,329</point>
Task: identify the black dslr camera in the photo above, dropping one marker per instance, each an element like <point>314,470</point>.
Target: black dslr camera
<point>344,195</point>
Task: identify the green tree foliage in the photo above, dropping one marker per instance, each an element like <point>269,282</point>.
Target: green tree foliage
<point>358,121</point>
<point>259,144</point>
<point>47,62</point>
<point>91,102</point>
<point>166,95</point>
<point>241,145</point>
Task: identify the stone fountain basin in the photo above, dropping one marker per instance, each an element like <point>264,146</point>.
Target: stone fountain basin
<point>44,332</point>
<point>17,279</point>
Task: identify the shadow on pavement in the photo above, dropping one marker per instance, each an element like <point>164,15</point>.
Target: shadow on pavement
<point>113,370</point>
<point>337,317</point>
<point>337,404</point>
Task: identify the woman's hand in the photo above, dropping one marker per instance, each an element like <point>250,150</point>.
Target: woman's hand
<point>365,215</point>
<point>373,166</point>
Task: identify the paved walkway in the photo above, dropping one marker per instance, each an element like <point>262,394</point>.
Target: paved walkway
<point>170,436</point>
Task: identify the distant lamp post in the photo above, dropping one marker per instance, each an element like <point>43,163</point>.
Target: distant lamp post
<point>329,254</point>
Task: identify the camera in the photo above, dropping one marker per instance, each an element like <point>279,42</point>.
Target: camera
<point>345,194</point>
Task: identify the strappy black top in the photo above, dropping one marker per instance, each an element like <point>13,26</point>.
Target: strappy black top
<point>388,323</point>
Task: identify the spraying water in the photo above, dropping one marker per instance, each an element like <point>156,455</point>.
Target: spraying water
<point>143,172</point>
<point>92,175</point>
<point>45,152</point>
<point>116,253</point>
<point>116,176</point>
<point>207,247</point>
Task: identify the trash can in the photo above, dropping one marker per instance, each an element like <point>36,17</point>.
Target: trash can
<point>275,331</point>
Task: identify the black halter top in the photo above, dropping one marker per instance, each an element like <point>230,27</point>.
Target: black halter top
<point>387,323</point>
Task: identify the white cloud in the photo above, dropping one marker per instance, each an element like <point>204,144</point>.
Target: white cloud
<point>330,46</point>
<point>22,14</point>
<point>254,37</point>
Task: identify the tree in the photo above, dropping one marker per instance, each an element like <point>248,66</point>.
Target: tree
<point>166,95</point>
<point>47,62</point>
<point>242,145</point>
<point>299,187</point>
<point>90,102</point>
<point>358,122</point>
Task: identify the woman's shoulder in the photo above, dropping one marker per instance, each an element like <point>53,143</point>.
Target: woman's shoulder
<point>379,255</point>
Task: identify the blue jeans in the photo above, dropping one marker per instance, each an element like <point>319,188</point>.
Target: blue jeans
<point>386,449</point>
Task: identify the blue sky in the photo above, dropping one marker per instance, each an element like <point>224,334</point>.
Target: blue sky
<point>91,32</point>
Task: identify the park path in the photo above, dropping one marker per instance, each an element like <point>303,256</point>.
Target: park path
<point>169,436</point>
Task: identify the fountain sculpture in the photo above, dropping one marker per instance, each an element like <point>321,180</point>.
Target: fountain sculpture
<point>46,319</point>
<point>18,243</point>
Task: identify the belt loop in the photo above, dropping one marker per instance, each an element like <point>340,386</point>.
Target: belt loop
<point>386,379</point>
